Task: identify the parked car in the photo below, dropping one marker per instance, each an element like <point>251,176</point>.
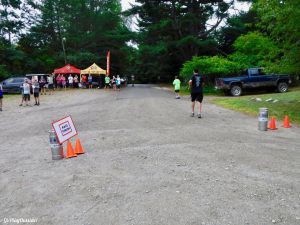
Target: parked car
<point>253,78</point>
<point>12,85</point>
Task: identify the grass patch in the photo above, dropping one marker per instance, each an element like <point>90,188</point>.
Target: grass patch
<point>287,104</point>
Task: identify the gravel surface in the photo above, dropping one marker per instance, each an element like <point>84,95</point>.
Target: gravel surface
<point>146,162</point>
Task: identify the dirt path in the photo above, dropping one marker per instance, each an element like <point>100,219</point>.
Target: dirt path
<point>146,162</point>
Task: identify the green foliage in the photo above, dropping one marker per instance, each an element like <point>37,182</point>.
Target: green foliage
<point>210,66</point>
<point>237,25</point>
<point>280,19</point>
<point>253,50</point>
<point>172,32</point>
<point>89,28</point>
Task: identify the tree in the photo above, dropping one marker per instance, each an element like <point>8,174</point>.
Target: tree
<point>172,32</point>
<point>280,20</point>
<point>253,50</point>
<point>236,26</point>
<point>88,29</point>
<point>10,22</point>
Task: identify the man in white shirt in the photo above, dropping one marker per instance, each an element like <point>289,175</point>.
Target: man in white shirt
<point>70,79</point>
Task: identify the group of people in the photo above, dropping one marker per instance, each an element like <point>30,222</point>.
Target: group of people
<point>26,89</point>
<point>196,84</point>
<point>115,82</point>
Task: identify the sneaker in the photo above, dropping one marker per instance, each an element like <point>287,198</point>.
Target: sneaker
<point>199,116</point>
<point>192,114</point>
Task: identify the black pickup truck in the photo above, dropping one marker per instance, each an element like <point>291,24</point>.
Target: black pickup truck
<point>253,78</point>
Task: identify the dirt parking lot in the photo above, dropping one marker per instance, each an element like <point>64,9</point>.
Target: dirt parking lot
<point>146,163</point>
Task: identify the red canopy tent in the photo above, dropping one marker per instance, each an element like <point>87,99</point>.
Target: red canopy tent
<point>67,69</point>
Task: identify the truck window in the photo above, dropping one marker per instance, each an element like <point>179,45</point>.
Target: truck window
<point>254,72</point>
<point>261,72</point>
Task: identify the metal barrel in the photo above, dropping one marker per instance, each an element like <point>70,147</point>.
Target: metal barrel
<point>52,137</point>
<point>56,149</point>
<point>57,152</point>
<point>263,119</point>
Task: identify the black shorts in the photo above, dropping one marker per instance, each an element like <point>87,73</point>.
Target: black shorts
<point>177,91</point>
<point>1,96</point>
<point>26,97</point>
<point>36,95</point>
<point>50,86</point>
<point>197,97</point>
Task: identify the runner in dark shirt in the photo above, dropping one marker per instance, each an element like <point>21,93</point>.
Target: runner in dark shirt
<point>196,84</point>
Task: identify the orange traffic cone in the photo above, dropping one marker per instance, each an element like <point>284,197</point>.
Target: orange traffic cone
<point>272,124</point>
<point>78,147</point>
<point>286,123</point>
<point>70,151</point>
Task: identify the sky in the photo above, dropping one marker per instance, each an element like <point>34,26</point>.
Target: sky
<point>238,7</point>
<point>125,4</point>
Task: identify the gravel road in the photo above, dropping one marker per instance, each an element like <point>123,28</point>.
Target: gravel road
<point>146,163</point>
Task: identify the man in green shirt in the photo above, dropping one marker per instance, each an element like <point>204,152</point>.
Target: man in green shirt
<point>176,84</point>
<point>107,80</point>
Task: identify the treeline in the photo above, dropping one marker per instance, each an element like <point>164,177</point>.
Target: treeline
<point>173,36</point>
<point>87,30</point>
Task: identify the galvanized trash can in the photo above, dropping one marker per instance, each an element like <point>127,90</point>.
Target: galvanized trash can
<point>56,148</point>
<point>263,119</point>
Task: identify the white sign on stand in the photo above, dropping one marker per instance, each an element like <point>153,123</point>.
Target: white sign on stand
<point>64,129</point>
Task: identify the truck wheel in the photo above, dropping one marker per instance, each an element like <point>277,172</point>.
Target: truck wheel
<point>282,87</point>
<point>236,90</point>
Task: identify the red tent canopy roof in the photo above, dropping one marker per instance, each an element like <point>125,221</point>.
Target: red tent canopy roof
<point>67,69</point>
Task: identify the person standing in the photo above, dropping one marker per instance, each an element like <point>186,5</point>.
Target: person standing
<point>196,84</point>
<point>107,80</point>
<point>113,81</point>
<point>118,83</point>
<point>26,92</point>
<point>58,82</point>
<point>36,92</point>
<point>83,81</point>
<point>176,84</point>
<point>90,80</point>
<point>132,80</point>
<point>42,83</point>
<point>1,97</point>
<point>64,82</point>
<point>50,81</point>
<point>75,81</point>
<point>70,79</point>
